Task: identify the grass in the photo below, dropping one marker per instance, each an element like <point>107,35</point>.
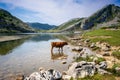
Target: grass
<point>89,59</point>
<point>98,77</point>
<point>78,59</point>
<point>113,71</point>
<point>114,39</point>
<point>116,54</point>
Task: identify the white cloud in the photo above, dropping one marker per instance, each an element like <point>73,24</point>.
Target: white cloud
<point>58,11</point>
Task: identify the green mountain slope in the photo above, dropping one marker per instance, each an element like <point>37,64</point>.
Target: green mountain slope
<point>9,23</point>
<point>71,24</point>
<point>108,16</point>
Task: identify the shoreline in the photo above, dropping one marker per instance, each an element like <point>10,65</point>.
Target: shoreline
<point>11,38</point>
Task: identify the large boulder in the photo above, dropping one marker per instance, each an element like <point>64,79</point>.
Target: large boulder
<point>81,69</point>
<point>50,74</point>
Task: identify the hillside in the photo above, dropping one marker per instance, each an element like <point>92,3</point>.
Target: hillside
<point>108,16</point>
<point>72,24</point>
<point>41,26</point>
<point>9,23</point>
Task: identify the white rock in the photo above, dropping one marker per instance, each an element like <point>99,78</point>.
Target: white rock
<point>66,77</point>
<point>63,62</point>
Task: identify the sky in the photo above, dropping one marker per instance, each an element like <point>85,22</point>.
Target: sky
<point>54,12</point>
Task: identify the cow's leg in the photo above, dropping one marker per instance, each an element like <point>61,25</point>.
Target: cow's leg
<point>62,49</point>
<point>58,48</point>
<point>51,49</point>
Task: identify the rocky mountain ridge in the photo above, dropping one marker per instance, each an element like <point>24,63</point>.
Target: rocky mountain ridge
<point>106,17</point>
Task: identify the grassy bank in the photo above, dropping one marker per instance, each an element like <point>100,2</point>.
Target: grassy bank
<point>110,36</point>
<point>98,77</point>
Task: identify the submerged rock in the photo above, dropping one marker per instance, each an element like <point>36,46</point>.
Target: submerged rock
<point>63,62</point>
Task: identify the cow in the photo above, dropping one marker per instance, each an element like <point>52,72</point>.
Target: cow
<point>59,45</point>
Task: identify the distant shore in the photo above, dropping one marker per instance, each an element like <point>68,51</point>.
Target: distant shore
<point>9,38</point>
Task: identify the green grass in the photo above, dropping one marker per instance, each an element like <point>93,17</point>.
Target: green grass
<point>114,39</point>
<point>113,71</point>
<point>89,59</point>
<point>98,77</point>
<point>116,54</point>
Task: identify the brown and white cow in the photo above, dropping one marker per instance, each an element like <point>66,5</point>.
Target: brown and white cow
<point>59,45</point>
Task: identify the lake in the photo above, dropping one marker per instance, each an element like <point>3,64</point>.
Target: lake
<point>27,55</point>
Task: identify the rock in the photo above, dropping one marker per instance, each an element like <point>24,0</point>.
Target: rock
<point>113,60</point>
<point>56,75</point>
<point>41,68</point>
<point>50,74</point>
<point>81,69</point>
<point>101,71</point>
<point>66,77</point>
<point>117,69</point>
<point>87,40</point>
<point>77,49</point>
<point>106,54</point>
<point>95,59</point>
<point>34,76</point>
<point>20,77</point>
<point>92,45</point>
<point>103,65</point>
<point>63,62</point>
<point>64,73</point>
<point>79,44</point>
<point>105,49</point>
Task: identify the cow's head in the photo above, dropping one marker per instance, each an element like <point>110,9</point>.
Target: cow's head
<point>65,43</point>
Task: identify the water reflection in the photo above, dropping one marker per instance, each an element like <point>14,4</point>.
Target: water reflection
<point>58,55</point>
<point>8,46</point>
<point>27,55</point>
<point>42,37</point>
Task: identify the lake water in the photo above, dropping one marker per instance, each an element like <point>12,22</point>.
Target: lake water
<point>29,54</point>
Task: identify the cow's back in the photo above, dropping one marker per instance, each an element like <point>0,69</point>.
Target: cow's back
<point>57,44</point>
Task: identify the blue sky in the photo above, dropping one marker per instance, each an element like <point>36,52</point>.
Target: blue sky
<point>53,11</point>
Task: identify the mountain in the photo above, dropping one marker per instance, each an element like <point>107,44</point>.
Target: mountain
<point>41,26</point>
<point>108,16</point>
<point>72,24</point>
<point>9,23</point>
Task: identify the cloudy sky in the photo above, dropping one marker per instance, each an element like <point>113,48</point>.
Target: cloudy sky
<point>53,11</point>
